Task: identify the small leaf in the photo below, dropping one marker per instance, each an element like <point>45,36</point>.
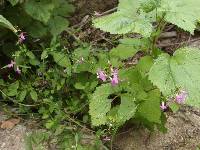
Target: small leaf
<point>61,59</point>
<point>12,89</point>
<point>57,24</point>
<point>123,51</point>
<point>22,95</point>
<point>44,55</point>
<point>34,95</point>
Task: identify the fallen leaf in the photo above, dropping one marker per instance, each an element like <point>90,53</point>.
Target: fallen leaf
<point>9,124</point>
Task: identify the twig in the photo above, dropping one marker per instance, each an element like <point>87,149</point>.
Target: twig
<point>104,13</point>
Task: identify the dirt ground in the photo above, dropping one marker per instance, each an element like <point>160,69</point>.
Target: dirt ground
<point>183,134</point>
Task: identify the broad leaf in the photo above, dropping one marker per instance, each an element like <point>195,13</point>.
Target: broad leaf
<point>183,13</point>
<point>150,108</point>
<point>100,105</point>
<point>181,71</point>
<point>39,10</point>
<point>125,20</point>
<point>127,108</point>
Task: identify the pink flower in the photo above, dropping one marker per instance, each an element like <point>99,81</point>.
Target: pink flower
<point>114,79</point>
<point>22,37</point>
<point>101,75</point>
<point>181,97</point>
<point>18,70</point>
<point>11,65</point>
<point>163,106</point>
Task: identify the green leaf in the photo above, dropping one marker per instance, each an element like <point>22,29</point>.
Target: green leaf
<point>181,71</point>
<point>150,108</point>
<point>100,105</point>
<point>174,107</point>
<point>127,107</point>
<point>61,59</point>
<point>39,10</point>
<point>144,65</point>
<point>123,51</point>
<point>37,29</point>
<point>14,2</point>
<point>12,89</point>
<point>183,13</point>
<point>57,24</point>
<point>5,23</point>
<point>34,95</point>
<point>126,19</point>
<point>22,95</point>
<point>44,55</point>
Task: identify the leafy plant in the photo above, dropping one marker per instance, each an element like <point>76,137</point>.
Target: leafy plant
<point>169,74</point>
<point>84,87</point>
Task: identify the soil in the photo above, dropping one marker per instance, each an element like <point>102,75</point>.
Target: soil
<point>183,134</point>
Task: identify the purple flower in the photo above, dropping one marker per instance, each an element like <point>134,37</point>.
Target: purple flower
<point>22,37</point>
<point>11,65</point>
<point>181,97</point>
<point>163,106</point>
<point>114,79</point>
<point>18,70</point>
<point>101,75</point>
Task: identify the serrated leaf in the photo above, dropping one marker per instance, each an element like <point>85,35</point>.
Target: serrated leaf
<point>183,13</point>
<point>100,105</point>
<point>182,70</point>
<point>123,51</point>
<point>61,59</point>
<point>144,65</point>
<point>127,107</point>
<point>34,95</point>
<point>22,95</point>
<point>5,23</point>
<point>12,89</point>
<point>39,10</point>
<point>150,108</point>
<point>125,20</point>
<point>57,24</point>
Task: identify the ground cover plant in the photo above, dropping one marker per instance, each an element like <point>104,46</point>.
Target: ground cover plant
<point>84,87</point>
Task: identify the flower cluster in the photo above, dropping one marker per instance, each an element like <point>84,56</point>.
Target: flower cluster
<point>12,64</point>
<point>114,78</point>
<point>179,98</point>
